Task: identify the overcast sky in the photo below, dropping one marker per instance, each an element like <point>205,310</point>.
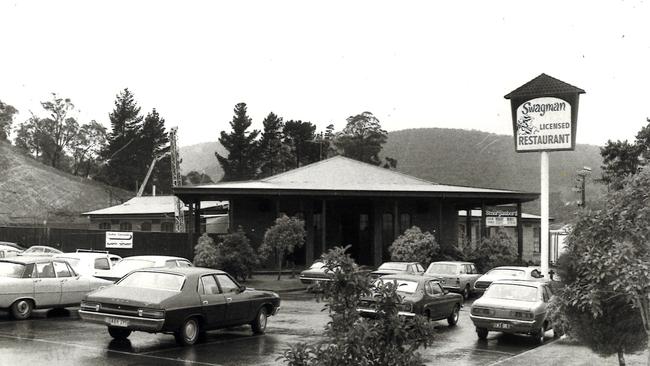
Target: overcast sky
<point>412,64</point>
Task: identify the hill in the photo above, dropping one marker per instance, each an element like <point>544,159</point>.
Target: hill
<point>201,158</point>
<point>31,192</point>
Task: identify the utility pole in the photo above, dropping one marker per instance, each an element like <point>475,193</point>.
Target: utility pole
<point>580,180</point>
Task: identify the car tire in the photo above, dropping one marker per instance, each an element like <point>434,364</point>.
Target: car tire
<point>189,332</point>
<point>482,333</point>
<point>22,309</point>
<point>119,333</point>
<point>453,317</point>
<point>259,324</point>
<point>466,292</point>
<point>538,335</point>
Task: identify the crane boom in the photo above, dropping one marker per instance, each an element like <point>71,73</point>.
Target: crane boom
<point>146,178</point>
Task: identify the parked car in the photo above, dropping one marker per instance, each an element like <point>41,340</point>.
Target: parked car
<point>28,283</point>
<point>505,273</point>
<point>129,264</point>
<point>40,250</point>
<point>455,276</point>
<point>12,244</point>
<point>423,295</point>
<point>185,301</point>
<point>315,273</point>
<point>8,251</point>
<point>388,268</point>
<point>513,306</point>
<point>91,263</point>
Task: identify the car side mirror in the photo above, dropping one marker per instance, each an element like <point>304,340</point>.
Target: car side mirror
<point>242,288</point>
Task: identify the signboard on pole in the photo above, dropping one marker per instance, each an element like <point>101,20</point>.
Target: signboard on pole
<point>119,240</point>
<point>501,216</point>
<point>544,124</point>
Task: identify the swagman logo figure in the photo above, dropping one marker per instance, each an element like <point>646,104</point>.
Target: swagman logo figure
<point>525,126</point>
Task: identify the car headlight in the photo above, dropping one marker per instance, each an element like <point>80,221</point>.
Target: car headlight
<point>90,306</point>
<point>406,307</point>
<point>522,314</point>
<point>151,313</point>
<point>481,311</point>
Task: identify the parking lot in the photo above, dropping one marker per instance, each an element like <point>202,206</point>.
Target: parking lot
<point>61,338</point>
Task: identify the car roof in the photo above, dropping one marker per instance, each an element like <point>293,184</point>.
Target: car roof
<point>155,257</point>
<point>532,283</point>
<point>516,267</point>
<point>399,262</point>
<point>80,255</point>
<point>406,277</point>
<point>452,262</point>
<point>198,271</point>
<point>26,259</point>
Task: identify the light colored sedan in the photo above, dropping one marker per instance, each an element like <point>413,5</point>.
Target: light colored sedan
<point>455,276</point>
<point>27,283</point>
<point>506,273</point>
<point>8,251</point>
<point>88,262</point>
<point>129,264</point>
<point>40,250</point>
<point>513,306</point>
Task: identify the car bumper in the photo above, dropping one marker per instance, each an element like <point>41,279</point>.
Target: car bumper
<point>127,322</point>
<point>310,280</point>
<point>371,313</point>
<point>276,310</point>
<point>506,325</point>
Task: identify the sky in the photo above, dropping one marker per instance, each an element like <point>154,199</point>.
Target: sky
<point>413,64</point>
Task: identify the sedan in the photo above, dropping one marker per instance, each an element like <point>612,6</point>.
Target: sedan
<point>506,273</point>
<point>513,306</point>
<point>455,276</point>
<point>87,262</point>
<point>41,250</point>
<point>388,268</point>
<point>129,264</point>
<point>185,301</point>
<point>422,295</point>
<point>315,273</point>
<point>27,283</point>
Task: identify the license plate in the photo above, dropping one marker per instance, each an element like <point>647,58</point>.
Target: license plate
<point>117,322</point>
<point>502,325</point>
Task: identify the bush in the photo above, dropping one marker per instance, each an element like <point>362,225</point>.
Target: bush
<point>287,234</point>
<point>205,252</point>
<point>351,340</point>
<point>236,256</point>
<point>415,246</point>
<point>492,252</point>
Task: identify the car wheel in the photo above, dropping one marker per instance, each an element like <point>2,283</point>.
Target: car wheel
<point>453,318</point>
<point>259,324</point>
<point>119,333</point>
<point>189,332</point>
<point>538,335</point>
<point>466,292</point>
<point>22,309</point>
<point>482,333</point>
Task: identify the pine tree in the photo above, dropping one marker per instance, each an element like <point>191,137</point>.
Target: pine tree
<point>300,137</point>
<point>123,162</point>
<point>272,151</point>
<point>153,142</point>
<point>242,162</point>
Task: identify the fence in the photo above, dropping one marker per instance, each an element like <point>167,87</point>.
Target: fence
<point>69,240</point>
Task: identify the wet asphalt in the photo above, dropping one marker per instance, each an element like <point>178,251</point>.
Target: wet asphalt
<point>61,338</point>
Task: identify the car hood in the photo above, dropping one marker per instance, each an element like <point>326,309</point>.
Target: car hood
<point>132,296</point>
<point>493,277</point>
<point>314,273</point>
<point>506,304</point>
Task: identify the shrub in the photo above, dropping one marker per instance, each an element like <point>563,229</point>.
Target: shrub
<point>283,238</point>
<point>415,246</point>
<point>491,252</point>
<point>350,340</point>
<point>236,256</point>
<point>205,252</point>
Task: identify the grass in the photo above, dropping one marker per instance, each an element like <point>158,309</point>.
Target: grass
<point>270,282</point>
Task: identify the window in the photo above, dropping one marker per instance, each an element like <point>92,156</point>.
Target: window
<point>183,264</point>
<point>167,227</point>
<point>104,226</point>
<point>364,222</point>
<point>62,269</point>
<point>102,263</point>
<point>537,232</point>
<point>317,222</point>
<point>435,287</point>
<point>227,284</point>
<point>45,270</point>
<point>419,268</point>
<point>145,226</point>
<point>404,222</point>
<point>125,226</point>
<point>209,286</point>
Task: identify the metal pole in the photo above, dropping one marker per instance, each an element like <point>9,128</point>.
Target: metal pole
<point>584,203</point>
<point>544,209</point>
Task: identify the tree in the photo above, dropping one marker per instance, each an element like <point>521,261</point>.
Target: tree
<point>205,252</point>
<point>414,246</point>
<point>61,129</point>
<point>32,137</point>
<point>494,251</point>
<point>620,159</point>
<point>236,256</point>
<point>196,178</point>
<point>6,119</point>
<point>300,138</point>
<point>86,147</point>
<point>606,294</point>
<point>348,340</point>
<point>327,139</point>
<point>362,138</point>
<point>272,151</point>
<point>153,142</point>
<point>242,161</point>
<point>122,168</point>
<point>287,234</point>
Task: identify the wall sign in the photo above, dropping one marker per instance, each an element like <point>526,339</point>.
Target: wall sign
<point>543,124</point>
<point>119,240</point>
<point>500,216</point>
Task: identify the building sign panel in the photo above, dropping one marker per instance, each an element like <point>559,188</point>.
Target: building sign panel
<point>544,124</point>
<point>119,240</point>
<point>501,216</point>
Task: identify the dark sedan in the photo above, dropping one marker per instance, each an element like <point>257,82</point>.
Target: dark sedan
<point>422,295</point>
<point>183,301</point>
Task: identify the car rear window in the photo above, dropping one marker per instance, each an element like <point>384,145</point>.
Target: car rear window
<point>442,268</point>
<point>511,273</point>
<point>396,266</point>
<point>153,280</point>
<point>404,286</point>
<point>317,265</point>
<point>102,263</point>
<point>14,270</point>
<point>128,265</point>
<point>512,292</point>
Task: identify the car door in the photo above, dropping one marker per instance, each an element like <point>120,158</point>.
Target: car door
<point>47,288</point>
<point>72,287</point>
<point>213,301</point>
<point>238,303</point>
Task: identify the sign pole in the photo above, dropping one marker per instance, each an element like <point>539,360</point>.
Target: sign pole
<point>544,209</point>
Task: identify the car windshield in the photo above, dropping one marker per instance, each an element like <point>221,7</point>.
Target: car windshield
<point>512,292</point>
<point>510,273</point>
<point>33,250</point>
<point>404,286</point>
<point>317,265</point>
<point>443,268</point>
<point>396,266</point>
<point>153,280</point>
<point>8,269</point>
<point>127,265</point>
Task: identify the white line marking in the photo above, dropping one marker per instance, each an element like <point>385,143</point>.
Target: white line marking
<point>109,350</point>
<point>202,344</point>
<point>521,354</point>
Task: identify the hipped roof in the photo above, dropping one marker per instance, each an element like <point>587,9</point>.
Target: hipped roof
<point>544,85</point>
<point>145,205</point>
